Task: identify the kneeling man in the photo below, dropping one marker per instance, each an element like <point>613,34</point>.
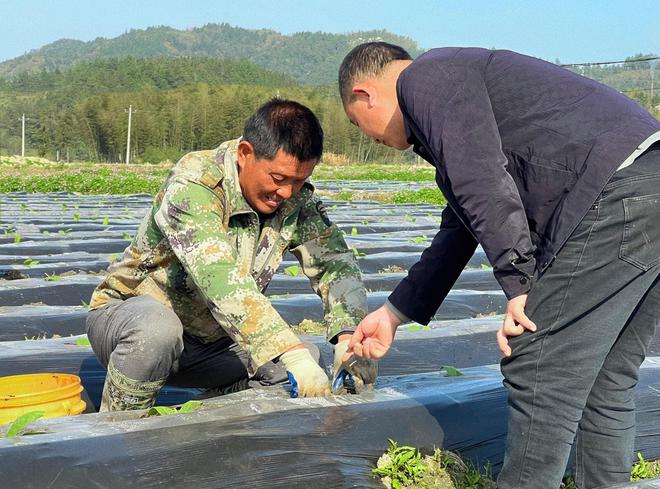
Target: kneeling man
<point>185,305</point>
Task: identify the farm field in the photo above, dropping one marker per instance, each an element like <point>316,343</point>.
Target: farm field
<point>54,247</point>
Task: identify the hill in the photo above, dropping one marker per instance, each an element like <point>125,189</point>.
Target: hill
<point>309,57</point>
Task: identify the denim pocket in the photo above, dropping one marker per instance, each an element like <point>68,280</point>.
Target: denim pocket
<point>640,245</point>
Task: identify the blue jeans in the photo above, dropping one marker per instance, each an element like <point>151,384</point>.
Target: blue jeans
<point>571,383</point>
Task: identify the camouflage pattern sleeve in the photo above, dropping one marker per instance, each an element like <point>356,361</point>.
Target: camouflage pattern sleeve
<point>331,267</point>
<point>192,218</point>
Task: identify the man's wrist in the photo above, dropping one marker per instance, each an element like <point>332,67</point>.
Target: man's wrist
<point>394,317</point>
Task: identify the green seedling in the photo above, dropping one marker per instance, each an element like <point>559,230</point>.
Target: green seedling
<point>419,239</point>
<point>126,236</point>
<point>293,270</point>
<point>485,266</point>
<point>45,233</point>
<point>106,220</point>
<point>187,407</point>
<point>405,465</point>
<point>22,206</point>
<point>19,425</point>
<point>451,371</point>
<point>29,262</point>
<point>53,278</point>
<point>354,232</point>
<point>64,207</point>
<point>357,253</point>
<point>84,341</point>
<point>365,222</point>
<point>644,469</point>
<point>17,238</point>
<point>76,216</point>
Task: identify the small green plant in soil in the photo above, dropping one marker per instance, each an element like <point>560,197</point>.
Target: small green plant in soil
<point>292,271</point>
<point>406,468</point>
<point>187,407</point>
<point>644,469</point>
<point>451,371</point>
<point>402,465</point>
<point>419,239</point>
<point>53,278</point>
<point>83,341</point>
<point>18,427</point>
<point>29,262</point>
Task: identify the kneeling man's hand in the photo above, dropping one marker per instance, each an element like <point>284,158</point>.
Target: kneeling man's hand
<point>362,372</point>
<point>307,377</point>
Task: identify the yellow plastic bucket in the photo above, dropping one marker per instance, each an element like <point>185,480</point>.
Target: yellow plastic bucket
<point>55,394</point>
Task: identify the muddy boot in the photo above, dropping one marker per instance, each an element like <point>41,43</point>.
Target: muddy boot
<point>122,394</point>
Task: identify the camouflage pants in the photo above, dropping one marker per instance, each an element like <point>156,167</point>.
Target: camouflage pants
<point>145,342</point>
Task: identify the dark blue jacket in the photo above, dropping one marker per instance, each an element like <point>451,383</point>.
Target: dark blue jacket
<point>522,148</point>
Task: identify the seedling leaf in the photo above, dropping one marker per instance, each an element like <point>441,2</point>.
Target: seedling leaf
<point>190,406</point>
<point>187,407</point>
<point>451,371</point>
<point>293,270</point>
<point>22,421</point>
<point>161,411</point>
<point>84,341</point>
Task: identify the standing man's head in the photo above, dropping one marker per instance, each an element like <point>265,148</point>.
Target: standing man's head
<point>282,142</point>
<point>367,85</point>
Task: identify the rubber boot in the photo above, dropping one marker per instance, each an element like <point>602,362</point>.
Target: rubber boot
<point>123,394</point>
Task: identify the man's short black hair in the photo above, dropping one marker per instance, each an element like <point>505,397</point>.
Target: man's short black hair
<point>286,125</point>
<point>366,60</point>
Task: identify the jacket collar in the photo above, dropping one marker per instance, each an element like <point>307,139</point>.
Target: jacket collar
<point>227,158</point>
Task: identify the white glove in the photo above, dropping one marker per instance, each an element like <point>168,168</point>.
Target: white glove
<point>363,371</point>
<point>310,378</point>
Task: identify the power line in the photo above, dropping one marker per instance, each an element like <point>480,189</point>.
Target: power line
<point>636,60</point>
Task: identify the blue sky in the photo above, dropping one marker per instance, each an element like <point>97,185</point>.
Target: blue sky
<point>571,31</point>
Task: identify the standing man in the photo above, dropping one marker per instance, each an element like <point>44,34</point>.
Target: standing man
<point>558,178</point>
<point>186,303</point>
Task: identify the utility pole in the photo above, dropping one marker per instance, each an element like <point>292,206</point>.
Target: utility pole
<point>652,95</point>
<point>23,119</point>
<point>128,138</point>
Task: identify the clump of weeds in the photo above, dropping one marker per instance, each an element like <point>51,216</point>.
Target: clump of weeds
<point>404,467</point>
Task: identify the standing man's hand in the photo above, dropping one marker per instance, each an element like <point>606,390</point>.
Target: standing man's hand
<point>374,335</point>
<point>515,323</point>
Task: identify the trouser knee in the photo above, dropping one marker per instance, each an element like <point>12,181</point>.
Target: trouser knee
<point>141,336</point>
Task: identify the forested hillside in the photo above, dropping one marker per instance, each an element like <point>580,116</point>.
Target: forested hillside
<point>193,89</point>
<point>180,105</point>
<point>309,57</point>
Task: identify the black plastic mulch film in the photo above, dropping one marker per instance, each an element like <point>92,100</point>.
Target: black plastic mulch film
<point>256,438</point>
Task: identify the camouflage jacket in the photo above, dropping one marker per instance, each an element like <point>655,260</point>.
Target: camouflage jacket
<point>200,252</point>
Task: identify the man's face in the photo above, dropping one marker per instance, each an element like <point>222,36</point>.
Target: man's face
<point>379,117</point>
<point>267,183</point>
